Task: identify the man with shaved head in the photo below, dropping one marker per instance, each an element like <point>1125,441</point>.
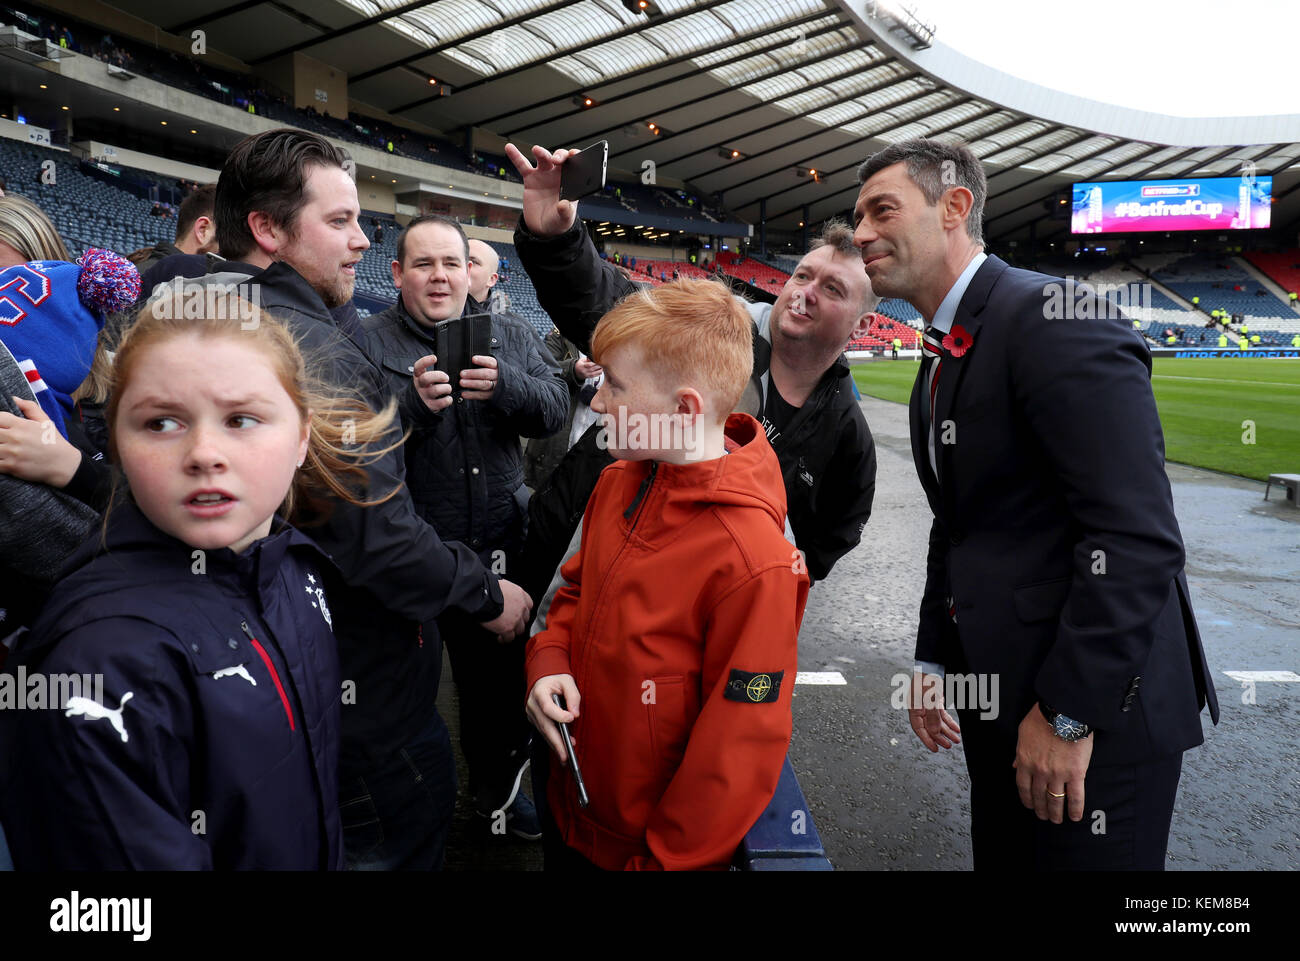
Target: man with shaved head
<point>483,263</point>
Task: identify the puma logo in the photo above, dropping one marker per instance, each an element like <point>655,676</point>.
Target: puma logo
<point>84,706</point>
<point>236,671</point>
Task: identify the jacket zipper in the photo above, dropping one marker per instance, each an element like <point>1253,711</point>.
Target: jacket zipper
<point>275,675</point>
<point>641,492</point>
<point>647,482</point>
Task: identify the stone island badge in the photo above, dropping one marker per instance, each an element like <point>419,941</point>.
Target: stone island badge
<point>754,688</point>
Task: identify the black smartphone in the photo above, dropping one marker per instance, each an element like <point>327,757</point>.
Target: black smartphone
<point>457,340</point>
<point>573,758</point>
<point>584,172</point>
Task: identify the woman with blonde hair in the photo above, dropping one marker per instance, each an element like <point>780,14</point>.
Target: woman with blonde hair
<point>74,461</point>
<point>27,234</point>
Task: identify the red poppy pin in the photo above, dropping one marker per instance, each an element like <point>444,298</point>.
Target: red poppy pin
<point>958,341</point>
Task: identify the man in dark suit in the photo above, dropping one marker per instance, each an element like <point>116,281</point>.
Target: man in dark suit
<point>1055,562</point>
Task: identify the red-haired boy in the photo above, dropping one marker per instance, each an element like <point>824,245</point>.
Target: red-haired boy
<point>673,640</point>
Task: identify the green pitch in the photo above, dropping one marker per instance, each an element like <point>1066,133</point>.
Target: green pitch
<point>1203,404</point>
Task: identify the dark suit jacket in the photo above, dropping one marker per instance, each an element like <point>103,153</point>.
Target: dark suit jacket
<point>1054,541</point>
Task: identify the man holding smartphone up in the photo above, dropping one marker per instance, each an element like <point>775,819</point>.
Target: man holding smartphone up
<point>469,387</point>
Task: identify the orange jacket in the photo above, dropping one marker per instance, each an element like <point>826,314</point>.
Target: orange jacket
<point>681,637</point>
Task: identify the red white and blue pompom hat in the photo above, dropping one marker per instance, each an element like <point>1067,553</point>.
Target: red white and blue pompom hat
<point>51,313</point>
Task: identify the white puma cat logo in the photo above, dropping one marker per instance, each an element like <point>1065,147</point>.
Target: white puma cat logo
<point>236,671</point>
<point>93,709</point>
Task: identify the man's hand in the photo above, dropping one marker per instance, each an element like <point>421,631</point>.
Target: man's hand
<point>545,214</point>
<point>479,382</point>
<point>1045,763</point>
<point>433,386</point>
<point>32,448</point>
<point>930,722</point>
<point>586,367</point>
<point>544,714</point>
<point>514,616</point>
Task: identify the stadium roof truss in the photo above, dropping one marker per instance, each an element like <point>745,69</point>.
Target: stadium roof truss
<point>747,98</point>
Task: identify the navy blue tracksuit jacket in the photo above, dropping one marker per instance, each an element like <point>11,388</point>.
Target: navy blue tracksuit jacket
<point>216,743</point>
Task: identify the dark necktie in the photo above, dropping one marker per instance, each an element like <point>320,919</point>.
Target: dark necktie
<point>932,348</point>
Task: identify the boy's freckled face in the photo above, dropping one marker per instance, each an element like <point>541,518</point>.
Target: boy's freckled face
<point>631,393</point>
<point>209,440</point>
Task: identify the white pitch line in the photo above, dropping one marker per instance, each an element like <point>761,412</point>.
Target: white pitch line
<point>1225,380</point>
<point>824,677</point>
<point>1257,676</point>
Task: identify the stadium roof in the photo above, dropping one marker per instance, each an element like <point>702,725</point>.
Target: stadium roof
<point>746,97</point>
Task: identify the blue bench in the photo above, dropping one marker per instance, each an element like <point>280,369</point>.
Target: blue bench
<point>784,837</point>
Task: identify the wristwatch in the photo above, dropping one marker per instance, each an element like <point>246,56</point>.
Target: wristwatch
<point>1066,728</point>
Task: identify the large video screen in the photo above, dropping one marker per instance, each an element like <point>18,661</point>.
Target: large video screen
<point>1215,203</point>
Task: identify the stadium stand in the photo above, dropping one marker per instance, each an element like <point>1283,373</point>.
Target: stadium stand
<point>87,211</point>
<point>666,268</point>
<point>519,289</point>
<point>1222,284</point>
<point>243,92</point>
<point>753,272</point>
<point>881,335</point>
<point>1122,276</point>
<point>901,310</point>
<point>1283,267</point>
<point>784,262</point>
<point>646,199</point>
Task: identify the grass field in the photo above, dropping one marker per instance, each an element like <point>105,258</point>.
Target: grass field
<point>1202,406</point>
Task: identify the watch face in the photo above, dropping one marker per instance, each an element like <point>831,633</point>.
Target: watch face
<point>1069,729</point>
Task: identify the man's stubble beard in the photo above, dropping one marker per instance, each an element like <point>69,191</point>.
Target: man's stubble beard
<point>337,294</point>
<point>334,293</point>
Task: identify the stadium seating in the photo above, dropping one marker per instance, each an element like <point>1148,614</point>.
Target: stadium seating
<point>901,310</point>
<point>786,262</point>
<point>749,270</point>
<point>881,335</point>
<point>1221,283</point>
<point>1122,275</point>
<point>374,273</point>
<point>1282,267</point>
<point>649,199</point>
<point>1152,263</point>
<point>666,267</point>
<point>519,289</point>
<point>87,212</point>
